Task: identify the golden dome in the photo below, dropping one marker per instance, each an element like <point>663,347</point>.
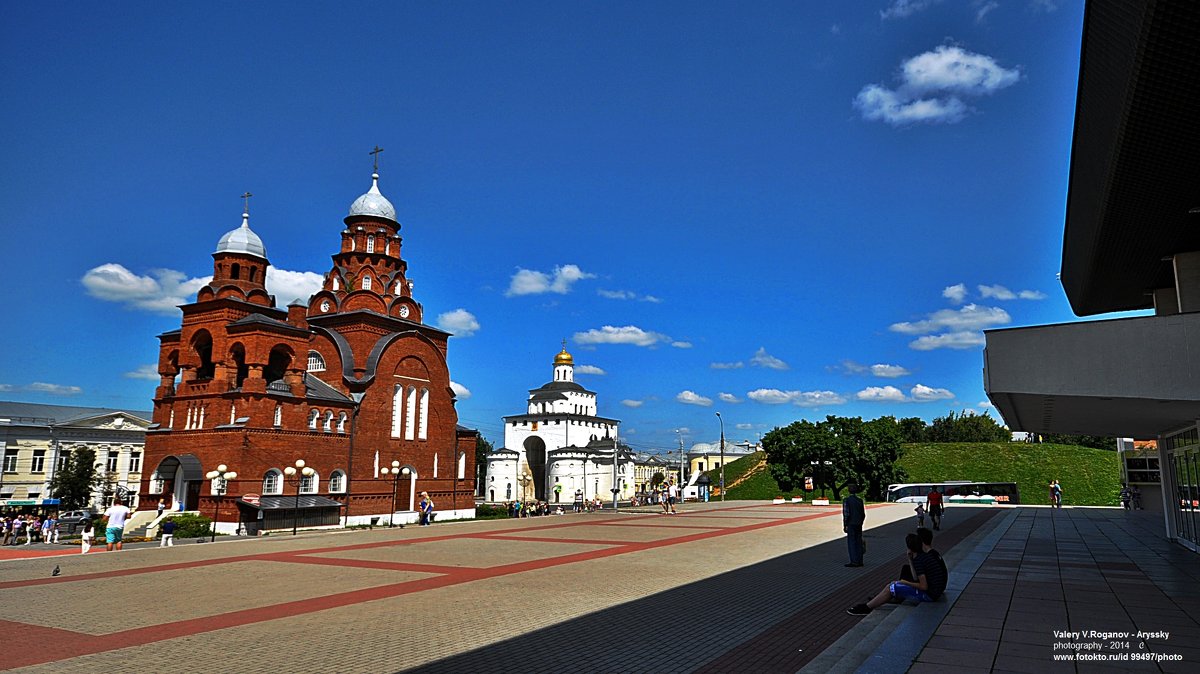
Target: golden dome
<point>564,358</point>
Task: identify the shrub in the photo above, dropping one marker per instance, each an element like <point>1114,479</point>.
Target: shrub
<point>484,511</point>
<point>188,525</point>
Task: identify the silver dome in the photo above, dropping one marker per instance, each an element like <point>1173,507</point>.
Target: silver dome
<point>242,240</point>
<point>373,203</point>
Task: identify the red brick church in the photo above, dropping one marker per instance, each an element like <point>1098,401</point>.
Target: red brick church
<point>348,382</point>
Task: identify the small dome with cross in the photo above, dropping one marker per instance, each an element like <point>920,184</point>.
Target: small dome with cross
<point>373,203</point>
<point>242,240</point>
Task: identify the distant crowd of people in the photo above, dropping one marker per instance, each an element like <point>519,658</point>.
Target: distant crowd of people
<point>34,528</point>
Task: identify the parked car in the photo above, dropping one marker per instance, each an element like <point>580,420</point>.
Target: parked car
<point>77,516</point>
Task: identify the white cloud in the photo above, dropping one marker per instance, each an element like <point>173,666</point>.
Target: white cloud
<point>460,391</point>
<point>533,282</point>
<point>889,394</point>
<point>996,291</point>
<point>774,396</point>
<point>931,85</point>
<point>885,371</point>
<point>162,290</point>
<point>287,286</point>
<point>633,403</point>
<point>744,427</point>
<point>900,9</point>
<point>148,372</point>
<point>949,340</point>
<point>763,359</point>
<point>986,404</point>
<point>727,366</point>
<point>628,334</point>
<point>627,295</point>
<point>691,398</point>
<point>835,29</point>
<point>955,293</point>
<point>970,317</point>
<point>1031,295</point>
<point>7,387</point>
<point>54,389</point>
<point>1043,5</point>
<point>728,398</point>
<point>588,369</point>
<point>681,345</point>
<point>923,394</point>
<point>460,322</point>
<point>984,9</point>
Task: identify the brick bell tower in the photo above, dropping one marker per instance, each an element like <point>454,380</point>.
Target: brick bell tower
<point>349,381</point>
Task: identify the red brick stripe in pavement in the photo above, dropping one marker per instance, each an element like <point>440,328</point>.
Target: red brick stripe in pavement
<point>818,625</point>
<point>73,644</point>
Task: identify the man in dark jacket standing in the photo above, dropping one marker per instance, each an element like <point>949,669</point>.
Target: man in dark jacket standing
<point>853,516</point>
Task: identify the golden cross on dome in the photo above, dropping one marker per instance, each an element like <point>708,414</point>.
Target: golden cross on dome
<point>247,196</point>
<point>375,153</point>
<point>564,345</point>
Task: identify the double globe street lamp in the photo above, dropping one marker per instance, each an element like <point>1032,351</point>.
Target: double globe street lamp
<point>291,475</point>
<point>396,471</point>
<point>220,481</point>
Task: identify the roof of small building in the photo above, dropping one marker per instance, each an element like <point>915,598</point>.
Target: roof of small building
<point>560,386</point>
<point>46,415</point>
<point>242,240</point>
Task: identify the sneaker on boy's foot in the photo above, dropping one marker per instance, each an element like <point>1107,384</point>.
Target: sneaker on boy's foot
<point>859,609</point>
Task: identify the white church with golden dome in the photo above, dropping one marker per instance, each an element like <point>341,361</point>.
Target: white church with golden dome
<point>559,446</point>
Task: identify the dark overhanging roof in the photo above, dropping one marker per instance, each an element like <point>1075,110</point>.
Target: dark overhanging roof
<point>1135,158</point>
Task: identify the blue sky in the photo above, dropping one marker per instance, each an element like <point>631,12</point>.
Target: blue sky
<point>771,210</point>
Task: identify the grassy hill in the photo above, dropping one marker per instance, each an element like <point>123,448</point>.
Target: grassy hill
<point>1088,476</point>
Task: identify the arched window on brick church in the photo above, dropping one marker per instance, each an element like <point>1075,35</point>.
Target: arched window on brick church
<point>337,482</point>
<point>399,285</point>
<point>200,422</point>
<point>462,465</point>
<point>235,271</point>
<point>308,483</point>
<point>272,482</point>
<point>316,362</point>
<point>328,426</point>
<point>423,427</point>
<point>277,364</point>
<point>313,415</point>
<point>410,413</point>
<point>202,345</point>
<point>366,284</point>
<point>370,243</point>
<point>397,410</point>
<point>278,415</point>
<point>341,427</point>
<point>435,464</point>
<point>337,284</point>
<point>253,273</point>
<point>387,248</point>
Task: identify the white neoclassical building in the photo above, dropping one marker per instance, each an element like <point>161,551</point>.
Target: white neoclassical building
<point>559,446</point>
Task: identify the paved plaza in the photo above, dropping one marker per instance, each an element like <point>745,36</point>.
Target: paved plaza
<point>735,587</point>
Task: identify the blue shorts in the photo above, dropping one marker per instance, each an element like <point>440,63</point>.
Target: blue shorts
<point>113,534</point>
<point>903,591</point>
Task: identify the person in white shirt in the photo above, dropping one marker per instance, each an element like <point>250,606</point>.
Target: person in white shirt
<point>672,495</point>
<point>117,513</point>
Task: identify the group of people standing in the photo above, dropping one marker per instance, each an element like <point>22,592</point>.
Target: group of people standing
<point>35,529</point>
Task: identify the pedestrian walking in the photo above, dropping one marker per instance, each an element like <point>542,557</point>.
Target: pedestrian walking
<point>920,510</point>
<point>48,529</point>
<point>1126,497</point>
<point>935,504</point>
<point>854,514</point>
<point>168,535</point>
<point>1056,488</point>
<point>89,532</point>
<point>426,509</point>
<point>162,505</point>
<point>672,495</point>
<point>18,523</point>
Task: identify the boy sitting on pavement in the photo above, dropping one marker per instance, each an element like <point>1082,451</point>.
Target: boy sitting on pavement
<point>925,565</point>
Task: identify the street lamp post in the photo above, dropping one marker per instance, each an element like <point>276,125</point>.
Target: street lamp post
<point>220,479</point>
<point>297,475</point>
<point>524,480</point>
<point>396,471</point>
<point>722,456</point>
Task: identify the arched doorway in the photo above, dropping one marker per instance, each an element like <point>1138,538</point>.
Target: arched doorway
<point>535,455</point>
<point>181,477</point>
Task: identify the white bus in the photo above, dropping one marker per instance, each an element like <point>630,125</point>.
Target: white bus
<point>916,492</point>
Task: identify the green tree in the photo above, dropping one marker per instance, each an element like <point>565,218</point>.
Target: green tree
<point>482,449</point>
<point>967,427</point>
<point>75,481</point>
<point>835,453</point>
<point>1093,441</point>
<point>912,429</point>
<point>657,479</point>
